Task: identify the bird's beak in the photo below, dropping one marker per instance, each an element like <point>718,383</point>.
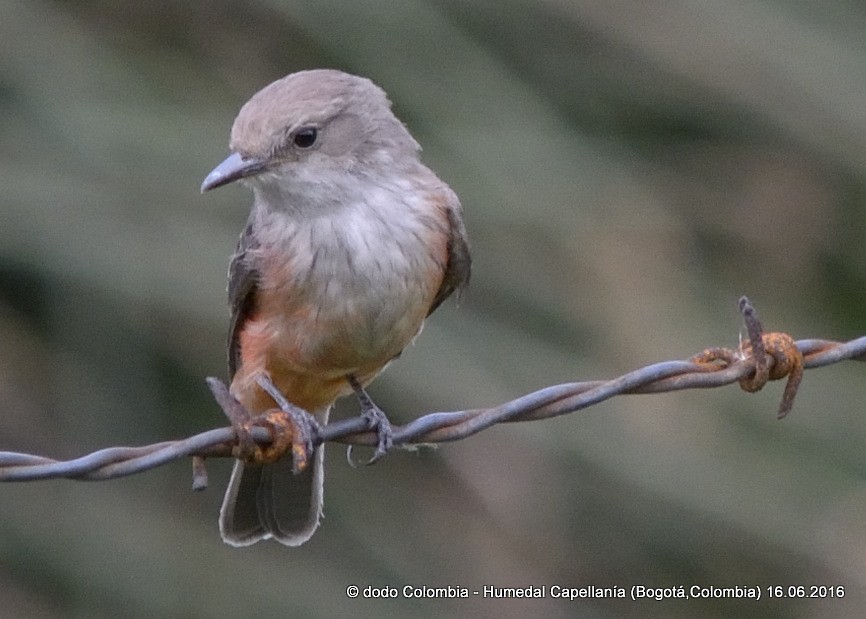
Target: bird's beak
<point>233,168</point>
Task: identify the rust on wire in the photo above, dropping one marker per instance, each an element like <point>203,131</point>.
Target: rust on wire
<point>765,357</point>
<point>773,356</point>
<point>199,474</point>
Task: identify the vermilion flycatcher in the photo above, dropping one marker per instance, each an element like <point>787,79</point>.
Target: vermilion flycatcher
<point>351,243</point>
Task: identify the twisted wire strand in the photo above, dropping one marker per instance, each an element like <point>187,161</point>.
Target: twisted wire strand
<point>713,367</point>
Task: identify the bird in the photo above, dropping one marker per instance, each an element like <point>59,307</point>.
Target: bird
<point>351,243</point>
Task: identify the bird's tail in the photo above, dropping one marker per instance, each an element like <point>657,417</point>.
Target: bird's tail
<point>270,501</point>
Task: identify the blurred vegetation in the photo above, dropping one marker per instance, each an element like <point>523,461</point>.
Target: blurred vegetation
<point>627,170</point>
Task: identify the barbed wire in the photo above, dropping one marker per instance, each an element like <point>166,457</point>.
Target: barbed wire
<point>766,356</point>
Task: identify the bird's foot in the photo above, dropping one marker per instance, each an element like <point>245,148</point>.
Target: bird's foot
<point>376,421</point>
<point>290,428</point>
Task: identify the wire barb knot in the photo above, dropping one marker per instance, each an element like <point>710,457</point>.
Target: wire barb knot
<point>289,429</point>
<point>773,356</point>
<point>781,358</point>
<point>280,426</point>
<point>784,359</point>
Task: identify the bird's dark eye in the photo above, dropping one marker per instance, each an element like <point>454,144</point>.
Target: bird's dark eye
<point>305,137</point>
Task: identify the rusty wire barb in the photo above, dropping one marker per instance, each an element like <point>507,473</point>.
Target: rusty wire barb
<point>764,357</point>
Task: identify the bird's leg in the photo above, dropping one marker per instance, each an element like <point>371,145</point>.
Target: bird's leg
<point>300,436</point>
<point>376,419</point>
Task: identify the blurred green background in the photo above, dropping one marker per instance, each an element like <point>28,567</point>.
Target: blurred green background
<point>627,170</point>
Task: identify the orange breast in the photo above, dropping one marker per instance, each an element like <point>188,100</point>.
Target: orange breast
<point>343,299</point>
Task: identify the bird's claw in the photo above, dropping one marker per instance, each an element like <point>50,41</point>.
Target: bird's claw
<point>290,428</point>
<point>376,421</point>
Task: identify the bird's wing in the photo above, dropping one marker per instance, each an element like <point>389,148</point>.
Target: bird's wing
<point>242,286</point>
<point>459,265</point>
